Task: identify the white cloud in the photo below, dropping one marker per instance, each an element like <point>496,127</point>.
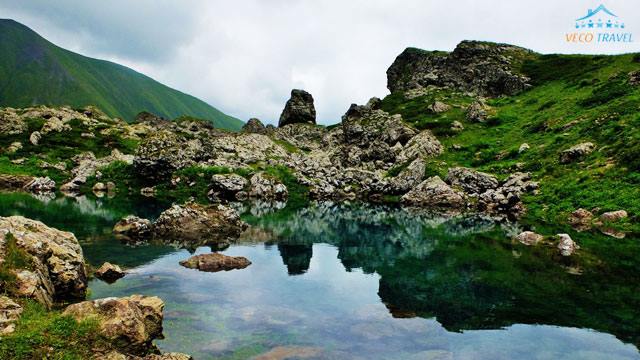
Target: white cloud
<point>244,57</point>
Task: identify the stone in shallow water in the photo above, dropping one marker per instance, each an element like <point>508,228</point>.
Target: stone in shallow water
<point>289,352</point>
<point>109,272</point>
<point>215,262</point>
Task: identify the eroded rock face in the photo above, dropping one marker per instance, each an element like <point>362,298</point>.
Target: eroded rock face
<point>164,152</point>
<point>193,225</point>
<point>130,323</point>
<point>299,109</point>
<point>109,272</point>
<point>576,153</point>
<point>56,268</point>
<point>435,193</point>
<point>10,312</point>
<point>487,69</point>
<point>215,262</point>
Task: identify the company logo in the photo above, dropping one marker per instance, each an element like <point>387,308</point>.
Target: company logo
<point>599,26</point>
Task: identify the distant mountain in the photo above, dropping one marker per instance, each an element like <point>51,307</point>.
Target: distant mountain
<point>34,71</point>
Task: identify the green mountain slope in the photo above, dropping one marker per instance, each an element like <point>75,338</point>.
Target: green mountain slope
<point>34,71</point>
<point>573,99</point>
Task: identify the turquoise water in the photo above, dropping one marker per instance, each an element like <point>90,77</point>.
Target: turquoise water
<point>360,282</point>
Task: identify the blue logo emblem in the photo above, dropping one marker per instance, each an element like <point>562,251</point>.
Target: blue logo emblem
<point>600,18</point>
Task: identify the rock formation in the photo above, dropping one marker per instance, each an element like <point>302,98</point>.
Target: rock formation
<point>298,110</point>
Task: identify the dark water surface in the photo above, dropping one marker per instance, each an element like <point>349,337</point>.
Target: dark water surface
<point>361,282</point>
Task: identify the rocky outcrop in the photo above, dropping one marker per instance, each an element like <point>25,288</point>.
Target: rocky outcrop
<point>576,153</point>
<point>435,193</point>
<point>487,69</point>
<point>471,181</point>
<point>215,262</point>
<point>298,109</point>
<point>54,265</point>
<point>408,178</point>
<point>87,165</point>
<point>424,145</point>
<point>109,272</point>
<point>254,126</point>
<point>133,229</point>
<point>192,225</point>
<point>266,187</point>
<point>130,324</point>
<point>164,152</point>
<point>10,312</point>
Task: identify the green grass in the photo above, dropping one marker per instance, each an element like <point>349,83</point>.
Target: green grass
<point>35,71</point>
<point>14,259</point>
<point>575,99</point>
<point>43,334</point>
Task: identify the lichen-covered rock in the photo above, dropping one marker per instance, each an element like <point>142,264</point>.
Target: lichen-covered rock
<point>529,238</point>
<point>566,245</point>
<point>424,145</point>
<point>576,152</point>
<point>612,216</point>
<point>581,219</point>
<point>299,109</point>
<point>487,69</point>
<point>471,181</point>
<point>56,268</point>
<point>10,312</point>
<point>191,225</point>
<point>215,262</point>
<point>109,272</point>
<point>263,186</point>
<point>133,229</point>
<point>226,187</point>
<point>433,192</point>
<point>130,324</point>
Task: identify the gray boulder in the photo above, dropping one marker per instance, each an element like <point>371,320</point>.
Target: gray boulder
<point>576,152</point>
<point>299,109</point>
<point>435,193</point>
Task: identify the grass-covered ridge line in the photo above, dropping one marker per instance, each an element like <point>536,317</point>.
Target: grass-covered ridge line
<point>575,99</point>
<point>35,71</point>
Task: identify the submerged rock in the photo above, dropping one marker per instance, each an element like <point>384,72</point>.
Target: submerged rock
<point>129,323</point>
<point>299,109</point>
<point>54,268</point>
<point>215,262</point>
<point>133,229</point>
<point>109,272</point>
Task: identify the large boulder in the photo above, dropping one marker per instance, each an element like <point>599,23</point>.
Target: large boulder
<point>226,187</point>
<point>435,193</point>
<point>471,181</point>
<point>576,153</point>
<point>191,225</point>
<point>130,324</point>
<point>409,177</point>
<point>254,126</point>
<point>299,109</point>
<point>487,69</point>
<point>566,245</point>
<point>53,264</point>
<point>424,145</point>
<point>215,262</point>
<point>133,229</point>
<point>109,272</point>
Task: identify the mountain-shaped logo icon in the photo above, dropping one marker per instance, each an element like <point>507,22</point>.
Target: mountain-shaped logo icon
<point>600,18</point>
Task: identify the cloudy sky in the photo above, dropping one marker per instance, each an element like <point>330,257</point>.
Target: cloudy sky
<point>245,56</point>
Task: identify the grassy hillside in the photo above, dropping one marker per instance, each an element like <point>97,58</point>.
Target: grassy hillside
<point>574,99</point>
<point>34,71</point>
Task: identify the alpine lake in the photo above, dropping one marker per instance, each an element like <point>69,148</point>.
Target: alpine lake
<point>357,281</point>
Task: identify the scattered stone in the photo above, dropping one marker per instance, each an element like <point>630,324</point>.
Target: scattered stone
<point>215,262</point>
<point>457,126</point>
<point>35,137</point>
<point>299,109</point>
<point>148,191</point>
<point>478,111</point>
<point>10,312</point>
<point>634,78</point>
<point>576,153</point>
<point>613,216</point>
<point>439,107</point>
<point>14,147</point>
<point>581,219</point>
<point>524,147</point>
<point>109,272</point>
<point>529,238</point>
<point>129,323</point>
<point>566,245</point>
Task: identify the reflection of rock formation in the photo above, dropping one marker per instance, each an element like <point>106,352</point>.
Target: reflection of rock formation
<point>296,257</point>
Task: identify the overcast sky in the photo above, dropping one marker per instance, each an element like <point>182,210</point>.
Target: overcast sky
<point>245,56</point>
